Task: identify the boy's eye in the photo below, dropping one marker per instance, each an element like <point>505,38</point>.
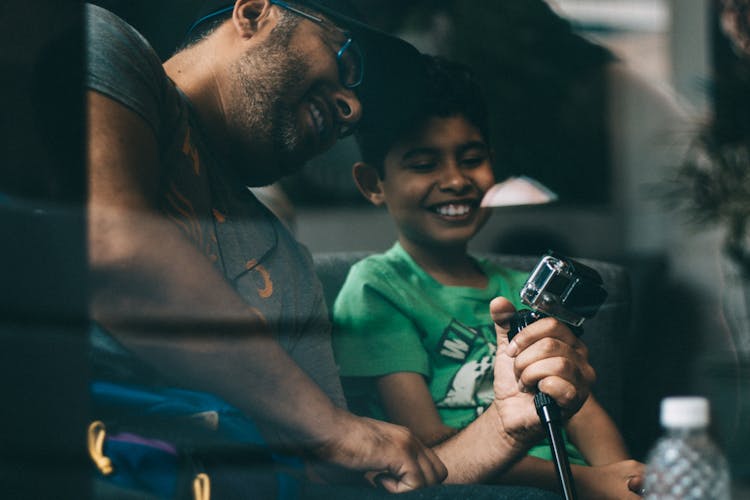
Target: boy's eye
<point>421,166</point>
<point>473,161</point>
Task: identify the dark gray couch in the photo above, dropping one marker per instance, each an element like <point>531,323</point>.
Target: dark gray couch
<point>605,334</point>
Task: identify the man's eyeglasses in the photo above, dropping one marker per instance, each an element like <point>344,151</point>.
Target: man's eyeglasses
<point>349,58</point>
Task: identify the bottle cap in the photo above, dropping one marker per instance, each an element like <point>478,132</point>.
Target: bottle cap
<point>684,412</point>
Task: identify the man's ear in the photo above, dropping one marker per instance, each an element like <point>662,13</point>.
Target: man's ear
<point>368,182</point>
<point>248,15</point>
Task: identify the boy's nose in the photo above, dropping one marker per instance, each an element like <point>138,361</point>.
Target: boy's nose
<point>453,178</point>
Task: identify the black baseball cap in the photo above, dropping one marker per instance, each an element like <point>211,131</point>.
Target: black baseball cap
<point>393,73</point>
<point>342,12</point>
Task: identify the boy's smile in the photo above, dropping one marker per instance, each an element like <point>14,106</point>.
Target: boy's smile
<point>434,182</point>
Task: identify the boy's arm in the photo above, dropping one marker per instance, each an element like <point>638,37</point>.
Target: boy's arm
<point>616,481</point>
<point>596,435</point>
<point>407,401</point>
<point>165,301</point>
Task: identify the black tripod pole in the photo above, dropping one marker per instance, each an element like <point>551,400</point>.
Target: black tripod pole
<point>549,414</point>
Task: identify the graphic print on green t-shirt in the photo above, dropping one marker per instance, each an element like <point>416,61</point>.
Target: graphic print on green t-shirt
<point>471,385</point>
<point>457,340</point>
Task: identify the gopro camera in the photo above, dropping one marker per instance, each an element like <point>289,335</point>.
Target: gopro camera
<point>562,288</point>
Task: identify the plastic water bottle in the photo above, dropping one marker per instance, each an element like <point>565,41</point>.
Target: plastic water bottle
<point>685,464</point>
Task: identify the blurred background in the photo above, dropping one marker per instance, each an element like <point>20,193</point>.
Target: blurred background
<point>635,112</point>
<point>43,317</point>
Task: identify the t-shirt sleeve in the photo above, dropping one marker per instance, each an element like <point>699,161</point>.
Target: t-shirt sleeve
<point>311,348</point>
<point>121,64</point>
<point>372,334</point>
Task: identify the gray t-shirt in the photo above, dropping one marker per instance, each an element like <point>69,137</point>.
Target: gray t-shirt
<point>254,251</point>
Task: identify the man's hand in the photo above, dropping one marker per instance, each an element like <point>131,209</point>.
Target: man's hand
<point>616,481</point>
<point>391,455</point>
<point>544,356</point>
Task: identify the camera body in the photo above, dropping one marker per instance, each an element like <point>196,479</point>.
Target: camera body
<point>562,288</point>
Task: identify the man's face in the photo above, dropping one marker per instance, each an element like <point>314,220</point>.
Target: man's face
<point>434,182</point>
<point>288,100</point>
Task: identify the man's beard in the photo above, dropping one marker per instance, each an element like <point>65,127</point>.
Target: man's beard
<point>266,78</point>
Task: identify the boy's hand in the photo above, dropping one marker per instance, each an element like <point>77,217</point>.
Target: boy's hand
<point>544,356</point>
<point>616,481</point>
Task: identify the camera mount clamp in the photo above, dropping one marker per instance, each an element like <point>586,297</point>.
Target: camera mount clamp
<point>570,292</point>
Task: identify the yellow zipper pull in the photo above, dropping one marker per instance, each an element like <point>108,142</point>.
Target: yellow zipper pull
<point>202,487</point>
<point>97,432</point>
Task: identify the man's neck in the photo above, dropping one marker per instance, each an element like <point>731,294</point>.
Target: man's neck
<point>195,73</point>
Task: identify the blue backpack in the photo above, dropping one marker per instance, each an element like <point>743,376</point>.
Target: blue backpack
<point>170,442</point>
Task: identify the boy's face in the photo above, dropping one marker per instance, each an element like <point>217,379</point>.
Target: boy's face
<point>434,182</point>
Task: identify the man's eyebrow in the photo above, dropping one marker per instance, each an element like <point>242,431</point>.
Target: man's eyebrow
<point>328,24</point>
<point>333,32</point>
<point>316,17</point>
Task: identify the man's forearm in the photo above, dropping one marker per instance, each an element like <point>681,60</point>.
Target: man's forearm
<point>166,302</point>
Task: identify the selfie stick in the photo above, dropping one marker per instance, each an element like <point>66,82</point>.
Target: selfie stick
<point>549,415</point>
<point>571,292</point>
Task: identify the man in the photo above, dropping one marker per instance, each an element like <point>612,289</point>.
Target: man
<point>196,277</point>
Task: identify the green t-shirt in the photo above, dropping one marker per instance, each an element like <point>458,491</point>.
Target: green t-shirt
<point>391,316</point>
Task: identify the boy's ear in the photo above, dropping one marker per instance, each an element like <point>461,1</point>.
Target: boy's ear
<point>248,15</point>
<point>368,182</point>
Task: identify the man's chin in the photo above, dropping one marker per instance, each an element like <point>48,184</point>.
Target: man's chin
<point>292,168</point>
<point>293,154</point>
<point>291,162</point>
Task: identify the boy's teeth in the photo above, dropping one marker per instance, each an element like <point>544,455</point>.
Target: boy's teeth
<point>453,209</point>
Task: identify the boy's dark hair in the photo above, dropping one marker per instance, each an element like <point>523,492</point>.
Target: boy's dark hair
<point>450,89</point>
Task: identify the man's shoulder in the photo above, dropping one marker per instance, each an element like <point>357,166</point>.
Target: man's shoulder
<point>122,65</point>
<point>104,28</point>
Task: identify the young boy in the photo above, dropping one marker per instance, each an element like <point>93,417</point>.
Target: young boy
<point>413,335</point>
